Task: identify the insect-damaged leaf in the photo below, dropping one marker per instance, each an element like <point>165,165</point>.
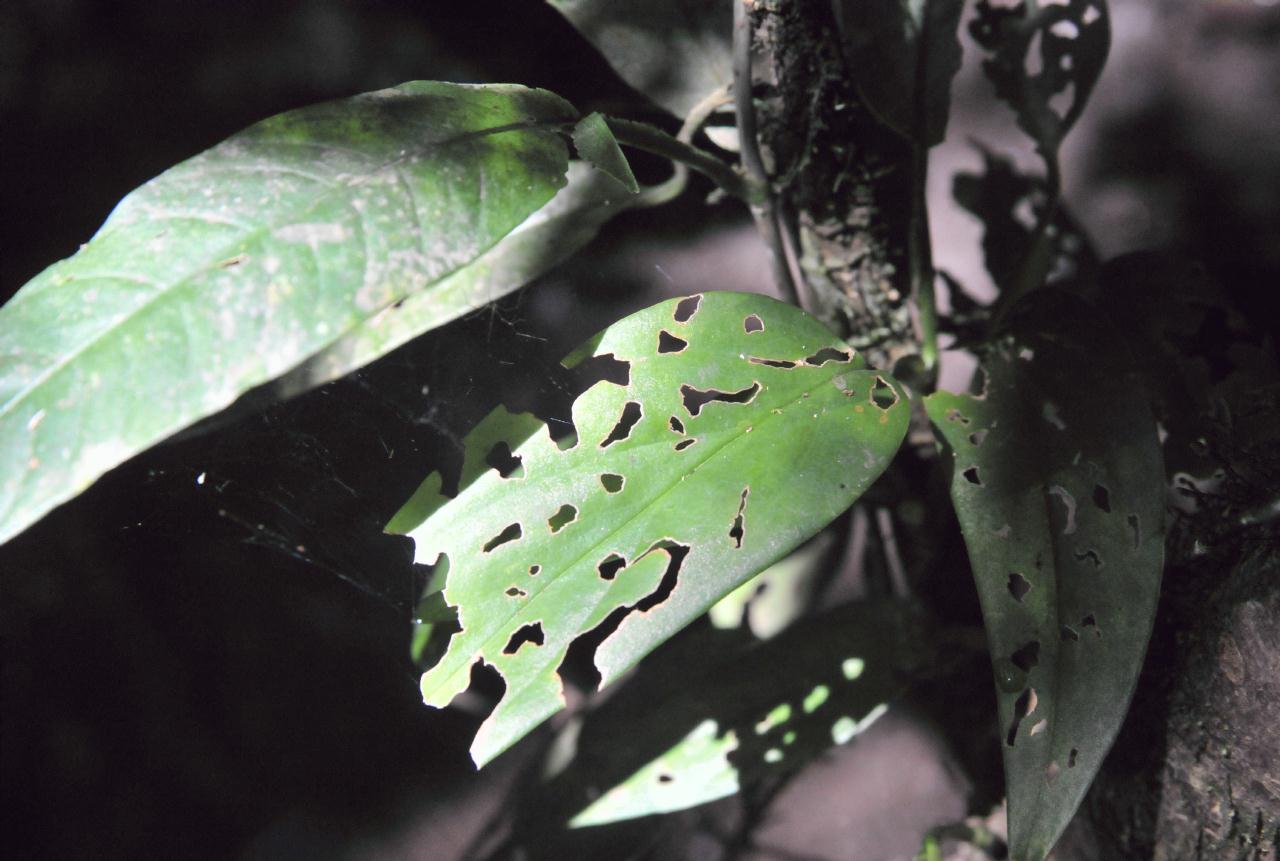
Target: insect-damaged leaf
<point>744,428</point>
<point>903,55</point>
<point>1059,488</point>
<point>228,270</point>
<point>673,51</point>
<point>1044,60</point>
<point>743,713</point>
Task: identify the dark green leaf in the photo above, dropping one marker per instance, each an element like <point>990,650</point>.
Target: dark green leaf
<point>903,55</point>
<point>740,713</point>
<point>1059,488</point>
<point>1044,60</point>
<point>596,145</point>
<point>673,51</point>
<point>745,427</point>
<point>230,269</point>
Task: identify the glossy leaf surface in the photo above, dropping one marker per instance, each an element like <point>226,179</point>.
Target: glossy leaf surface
<point>230,269</point>
<point>744,428</point>
<point>675,52</point>
<point>903,55</point>
<point>1059,488</point>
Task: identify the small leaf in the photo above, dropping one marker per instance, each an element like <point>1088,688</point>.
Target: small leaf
<point>597,146</point>
<point>1044,60</point>
<point>903,55</point>
<point>673,51</point>
<point>1059,488</point>
<point>741,714</point>
<point>776,433</point>
<point>228,270</point>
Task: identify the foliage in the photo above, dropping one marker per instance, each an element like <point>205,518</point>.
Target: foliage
<point>721,430</point>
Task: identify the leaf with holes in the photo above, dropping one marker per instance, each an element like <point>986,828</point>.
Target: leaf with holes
<point>744,428</point>
<point>744,713</point>
<point>673,51</point>
<point>903,55</point>
<point>1044,59</point>
<point>230,269</point>
<point>1059,487</point>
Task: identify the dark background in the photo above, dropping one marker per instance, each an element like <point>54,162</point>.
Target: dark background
<point>206,654</point>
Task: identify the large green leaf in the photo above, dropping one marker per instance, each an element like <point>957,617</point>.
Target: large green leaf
<point>673,51</point>
<point>231,268</point>
<point>744,428</point>
<point>903,54</point>
<point>1059,487</point>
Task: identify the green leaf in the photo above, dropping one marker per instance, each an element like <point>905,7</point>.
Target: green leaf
<point>596,144</point>
<point>230,269</point>
<point>744,428</point>
<point>740,715</point>
<point>673,51</point>
<point>903,55</point>
<point>542,241</point>
<point>1044,60</point>
<point>1059,487</point>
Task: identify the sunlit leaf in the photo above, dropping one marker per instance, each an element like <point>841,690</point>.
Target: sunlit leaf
<point>744,428</point>
<point>903,54</point>
<point>230,269</point>
<point>673,51</point>
<point>1059,487</point>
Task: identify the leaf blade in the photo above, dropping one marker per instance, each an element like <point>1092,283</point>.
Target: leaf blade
<point>729,474</point>
<point>231,268</point>
<point>1058,484</point>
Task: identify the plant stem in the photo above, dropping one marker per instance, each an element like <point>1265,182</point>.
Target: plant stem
<point>920,256</point>
<point>646,137</point>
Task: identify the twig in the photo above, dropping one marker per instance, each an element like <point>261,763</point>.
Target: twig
<point>893,561</point>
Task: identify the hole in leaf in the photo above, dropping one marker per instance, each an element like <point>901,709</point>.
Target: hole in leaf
<point>696,399</point>
<point>686,308</point>
<point>665,778</point>
<point>612,482</point>
<point>829,354</point>
<point>883,395</point>
<point>630,415</point>
<point>1137,531</point>
<point>563,517</point>
<point>530,633</point>
<point>685,443</point>
<point>1069,633</point>
<point>676,425</point>
<point>534,570</point>
<point>1050,414</point>
<point>752,324</point>
<point>675,554</point>
<point>1039,726</point>
<point>669,343</point>
<point>737,531</point>
<point>1089,555</point>
<point>1021,708</point>
<point>971,476</point>
<point>517,592</point>
<point>610,566</point>
<point>511,533</point>
<point>1102,498</point>
<point>1091,621</point>
<point>978,437</point>
<point>1019,586</point>
<point>1069,504</point>
<point>507,464</point>
<point>772,363</point>
<point>954,415</point>
<point>1071,758</point>
<point>1027,656</point>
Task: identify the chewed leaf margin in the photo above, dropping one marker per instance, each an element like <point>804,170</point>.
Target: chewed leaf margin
<point>699,471</point>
